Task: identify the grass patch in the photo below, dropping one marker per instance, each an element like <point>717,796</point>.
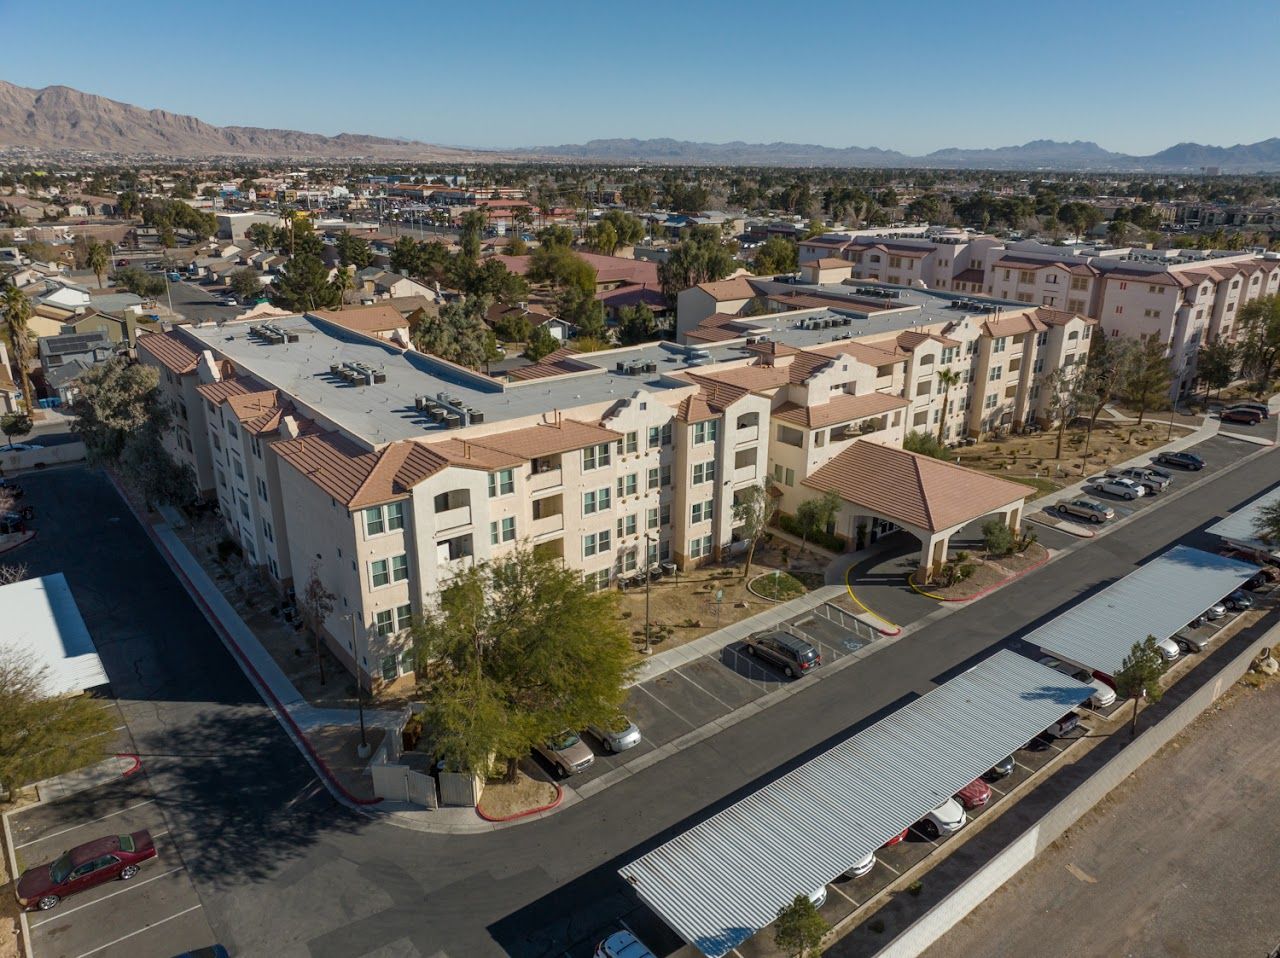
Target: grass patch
<point>1042,486</point>
<point>779,586</point>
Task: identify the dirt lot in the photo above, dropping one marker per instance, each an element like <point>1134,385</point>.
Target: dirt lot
<point>686,602</point>
<point>990,571</point>
<point>501,799</point>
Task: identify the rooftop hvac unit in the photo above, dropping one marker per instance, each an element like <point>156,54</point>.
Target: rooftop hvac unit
<point>452,421</point>
<point>475,416</point>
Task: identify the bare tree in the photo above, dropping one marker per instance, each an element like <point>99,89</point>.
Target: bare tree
<point>13,573</point>
<point>754,508</point>
<point>317,603</point>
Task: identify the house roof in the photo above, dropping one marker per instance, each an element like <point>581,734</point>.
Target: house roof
<point>829,262</point>
<point>378,318</point>
<point>729,289</point>
<point>219,391</point>
<point>548,439</point>
<point>358,477</point>
<point>260,411</point>
<point>553,364</point>
<point>842,409</point>
<point>910,339</point>
<point>174,354</point>
<point>642,295</point>
<point>470,454</point>
<point>911,489</point>
<point>753,378</point>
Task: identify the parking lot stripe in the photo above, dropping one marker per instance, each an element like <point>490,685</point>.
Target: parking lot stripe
<point>701,689</point>
<point>666,706</point>
<point>83,824</point>
<point>139,931</point>
<point>836,889</point>
<point>888,866</point>
<point>130,886</point>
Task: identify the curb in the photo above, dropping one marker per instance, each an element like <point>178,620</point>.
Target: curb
<point>19,545</point>
<point>269,696</point>
<point>135,768</point>
<point>983,592</point>
<point>554,803</point>
<point>1071,529</point>
<point>765,597</point>
<point>897,629</point>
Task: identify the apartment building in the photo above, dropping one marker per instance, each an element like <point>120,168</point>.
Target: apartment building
<point>1183,297</point>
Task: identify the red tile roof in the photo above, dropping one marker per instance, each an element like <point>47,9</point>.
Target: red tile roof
<point>842,409</point>
<point>357,477</point>
<point>170,349</point>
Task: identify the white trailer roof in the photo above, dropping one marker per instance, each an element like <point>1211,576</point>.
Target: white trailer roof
<point>1238,527</point>
<point>1158,599</point>
<point>725,878</point>
<point>43,624</point>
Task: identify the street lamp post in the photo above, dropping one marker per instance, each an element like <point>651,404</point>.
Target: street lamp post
<point>363,750</point>
<point>648,579</point>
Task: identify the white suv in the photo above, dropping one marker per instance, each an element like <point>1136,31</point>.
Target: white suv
<point>622,944</point>
<point>946,819</point>
<point>1103,694</point>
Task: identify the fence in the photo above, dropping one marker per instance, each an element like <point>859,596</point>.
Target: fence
<point>12,461</point>
<point>984,882</point>
<point>400,783</point>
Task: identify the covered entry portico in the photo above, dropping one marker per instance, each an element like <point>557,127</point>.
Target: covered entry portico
<point>930,498</point>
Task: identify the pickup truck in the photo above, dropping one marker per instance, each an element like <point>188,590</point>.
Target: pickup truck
<point>1152,481</point>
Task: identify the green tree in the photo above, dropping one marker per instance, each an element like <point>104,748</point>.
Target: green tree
<point>98,260</point>
<point>115,399</point>
<point>304,285</point>
<point>520,650</point>
<point>1260,344</point>
<point>406,257</point>
<point>562,268</point>
<point>492,278</point>
<point>540,344</point>
<point>1148,377</point>
<point>516,246</point>
<point>1216,365</point>
<point>813,516</point>
<point>753,509</point>
<point>17,311</point>
<point>1139,676</point>
<point>139,283</point>
<point>948,379</point>
<point>471,233</point>
<point>513,327</point>
<point>128,203</point>
<point>925,444</point>
<point>601,238</point>
<point>43,735</point>
<point>701,258</point>
<point>150,469</point>
<point>343,282</point>
<point>555,235</point>
<point>799,928</point>
<point>15,424</point>
<point>458,333</point>
<point>263,235</point>
<point>1100,382</point>
<point>583,310</point>
<point>1266,524</point>
<point>1063,388</point>
<point>628,229</point>
<point>776,255</point>
<point>245,285</point>
<point>635,324</point>
<point>353,251</point>
<point>997,537</point>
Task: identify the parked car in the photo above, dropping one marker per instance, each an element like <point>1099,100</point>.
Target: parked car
<point>84,867</point>
<point>622,944</point>
<point>1168,649</point>
<point>567,753</point>
<point>790,653</point>
<point>1102,695</point>
<point>1216,611</point>
<point>896,838</point>
<point>1260,408</point>
<point>1261,579</point>
<point>1064,725</point>
<point>1238,601</point>
<point>11,487</point>
<point>1249,417</point>
<point>1087,509</point>
<point>1149,479</point>
<point>818,896</point>
<point>862,867</point>
<point>974,795</point>
<point>618,736</point>
<point>1183,460</point>
<point>1192,641</point>
<point>1124,488</point>
<point>15,521</point>
<point>1001,769</point>
<point>946,819</point>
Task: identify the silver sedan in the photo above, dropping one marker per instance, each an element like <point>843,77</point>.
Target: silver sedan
<point>620,735</point>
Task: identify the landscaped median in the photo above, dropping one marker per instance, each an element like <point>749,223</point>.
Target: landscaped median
<point>509,801</point>
<point>973,576</point>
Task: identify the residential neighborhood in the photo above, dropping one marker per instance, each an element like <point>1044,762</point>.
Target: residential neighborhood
<point>691,540</point>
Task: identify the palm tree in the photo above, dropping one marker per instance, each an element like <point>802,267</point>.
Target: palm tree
<point>343,282</point>
<point>98,260</point>
<point>947,378</point>
<point>17,310</point>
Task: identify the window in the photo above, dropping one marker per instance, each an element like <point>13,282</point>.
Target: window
<point>399,568</point>
<point>395,516</point>
<point>1075,306</point>
<point>222,479</point>
<point>704,472</point>
<point>595,457</point>
<point>1042,339</point>
<point>654,436</point>
<point>820,438</point>
<point>1051,278</point>
<point>596,581</point>
<point>664,514</point>
<point>597,501</point>
<point>382,622</point>
<point>895,262</point>
<point>379,573</point>
<point>989,402</point>
<point>1151,313</point>
<point>373,524</point>
<point>262,489</point>
<point>244,508</point>
<point>239,469</point>
<point>389,670</point>
<point>996,373</point>
<point>267,532</point>
<point>651,479</point>
<point>628,485</point>
<point>998,344</point>
<point>923,387</point>
<point>503,530</point>
<point>627,525</point>
<point>1026,298</point>
<point>1026,276</point>
<point>595,542</point>
<point>700,547</point>
<point>702,511</point>
<point>777,472</point>
<point>790,478</point>
<point>629,443</point>
<point>705,432</point>
<point>789,436</point>
<point>1079,282</point>
<point>651,518</point>
<point>1038,366</point>
<point>666,475</point>
<point>231,430</point>
<point>502,483</point>
<point>257,446</point>
<point>629,561</point>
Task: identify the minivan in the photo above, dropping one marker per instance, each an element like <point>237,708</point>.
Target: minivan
<point>790,653</point>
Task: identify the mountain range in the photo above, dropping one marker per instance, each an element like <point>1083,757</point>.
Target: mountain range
<point>59,118</point>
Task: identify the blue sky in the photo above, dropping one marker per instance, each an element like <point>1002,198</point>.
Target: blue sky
<point>1133,76</point>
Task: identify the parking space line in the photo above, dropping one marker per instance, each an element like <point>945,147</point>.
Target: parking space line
<point>707,691</point>
<point>851,901</point>
<point>83,824</point>
<point>895,871</point>
<point>154,924</point>
<point>665,705</point>
<point>130,886</point>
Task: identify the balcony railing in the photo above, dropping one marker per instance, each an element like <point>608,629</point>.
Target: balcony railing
<point>453,518</point>
<point>744,473</point>
<point>747,434</point>
<point>542,481</point>
<point>548,525</point>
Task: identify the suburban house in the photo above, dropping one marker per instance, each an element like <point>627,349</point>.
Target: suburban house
<point>66,357</point>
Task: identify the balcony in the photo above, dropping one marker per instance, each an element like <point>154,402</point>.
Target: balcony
<point>546,480</point>
<point>453,518</point>
<point>744,474</point>
<point>547,526</point>
<point>746,434</point>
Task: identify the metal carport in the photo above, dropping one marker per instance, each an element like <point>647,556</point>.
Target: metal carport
<point>1238,529</point>
<point>725,878</point>
<point>1158,599</point>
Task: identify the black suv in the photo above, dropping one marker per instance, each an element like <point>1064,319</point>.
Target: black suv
<point>1186,460</point>
<point>793,655</point>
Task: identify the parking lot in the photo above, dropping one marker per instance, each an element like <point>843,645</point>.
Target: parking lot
<point>140,918</point>
<point>700,693</point>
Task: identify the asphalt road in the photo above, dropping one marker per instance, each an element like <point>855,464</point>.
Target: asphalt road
<point>283,870</point>
<point>198,303</point>
<point>1172,864</point>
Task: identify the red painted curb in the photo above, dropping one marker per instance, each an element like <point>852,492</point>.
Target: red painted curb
<point>992,588</point>
<point>527,812</point>
<point>275,703</point>
<point>137,764</point>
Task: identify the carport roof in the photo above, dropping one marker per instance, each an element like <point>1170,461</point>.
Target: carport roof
<point>1158,599</point>
<point>43,623</point>
<point>1238,527</point>
<point>725,878</point>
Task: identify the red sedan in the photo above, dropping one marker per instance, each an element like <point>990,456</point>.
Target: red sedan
<point>974,795</point>
<point>87,865</point>
<point>896,838</point>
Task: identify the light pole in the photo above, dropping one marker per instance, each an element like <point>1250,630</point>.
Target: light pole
<point>1173,406</point>
<point>363,750</point>
<point>648,579</point>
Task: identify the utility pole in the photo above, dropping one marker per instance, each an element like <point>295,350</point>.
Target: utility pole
<point>363,750</point>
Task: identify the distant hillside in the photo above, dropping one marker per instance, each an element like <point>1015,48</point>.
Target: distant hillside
<point>60,118</point>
